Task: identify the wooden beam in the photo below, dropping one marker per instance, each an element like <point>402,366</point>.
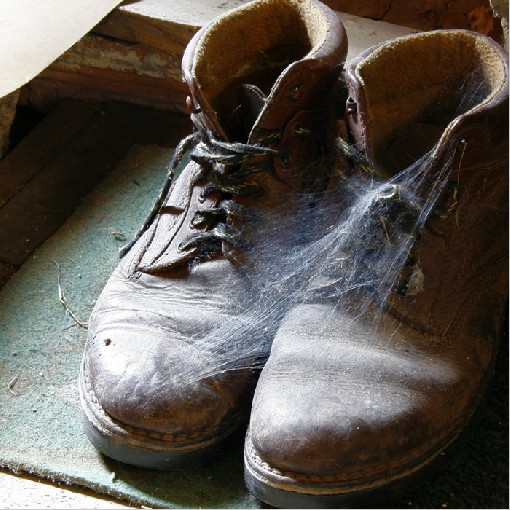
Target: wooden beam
<point>45,177</point>
<point>100,68</point>
<point>135,54</point>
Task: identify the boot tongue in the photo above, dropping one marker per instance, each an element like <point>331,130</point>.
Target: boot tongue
<point>236,121</point>
<point>251,100</point>
<point>241,105</point>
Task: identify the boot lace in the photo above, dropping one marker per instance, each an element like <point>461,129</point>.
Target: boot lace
<point>226,168</point>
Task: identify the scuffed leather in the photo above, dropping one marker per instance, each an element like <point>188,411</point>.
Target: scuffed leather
<point>347,403</point>
<point>143,330</point>
<point>302,93</point>
<point>160,248</point>
<point>459,252</point>
<point>148,322</point>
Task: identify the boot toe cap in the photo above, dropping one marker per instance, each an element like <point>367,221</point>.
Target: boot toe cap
<point>347,412</point>
<point>154,388</point>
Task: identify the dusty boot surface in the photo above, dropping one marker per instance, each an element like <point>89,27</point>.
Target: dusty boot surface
<point>376,372</point>
<point>170,362</point>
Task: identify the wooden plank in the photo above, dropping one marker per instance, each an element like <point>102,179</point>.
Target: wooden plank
<point>29,492</point>
<point>157,24</point>
<point>164,24</point>
<point>70,168</point>
<point>100,68</point>
<point>46,140</point>
<point>7,112</point>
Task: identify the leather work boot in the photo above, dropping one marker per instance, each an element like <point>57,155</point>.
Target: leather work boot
<point>167,371</point>
<point>360,396</point>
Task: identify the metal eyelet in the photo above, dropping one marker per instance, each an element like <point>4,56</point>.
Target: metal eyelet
<point>300,130</point>
<point>294,92</point>
<point>297,128</point>
<point>196,221</point>
<point>351,106</point>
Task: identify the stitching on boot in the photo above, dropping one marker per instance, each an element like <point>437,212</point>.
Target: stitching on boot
<point>393,466</point>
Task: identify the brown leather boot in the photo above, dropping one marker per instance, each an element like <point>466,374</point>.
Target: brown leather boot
<point>364,391</point>
<point>167,369</point>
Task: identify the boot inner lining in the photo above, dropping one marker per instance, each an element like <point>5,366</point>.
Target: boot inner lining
<point>241,48</point>
<point>415,90</point>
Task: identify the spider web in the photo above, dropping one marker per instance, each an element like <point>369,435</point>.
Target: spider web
<point>348,246</point>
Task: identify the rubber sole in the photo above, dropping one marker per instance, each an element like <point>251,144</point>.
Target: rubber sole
<point>285,492</point>
<point>269,486</point>
<point>138,448</point>
<point>291,494</point>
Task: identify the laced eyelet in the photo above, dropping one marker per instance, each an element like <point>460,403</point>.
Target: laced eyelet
<point>201,197</point>
<point>212,227</point>
<point>196,221</point>
<point>294,92</point>
<point>298,129</point>
<point>351,106</point>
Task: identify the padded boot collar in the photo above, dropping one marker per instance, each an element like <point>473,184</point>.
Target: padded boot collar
<point>392,82</point>
<point>252,36</point>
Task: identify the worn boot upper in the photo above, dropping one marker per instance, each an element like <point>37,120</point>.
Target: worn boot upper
<point>454,103</point>
<point>270,88</point>
<point>350,403</point>
<point>259,79</point>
